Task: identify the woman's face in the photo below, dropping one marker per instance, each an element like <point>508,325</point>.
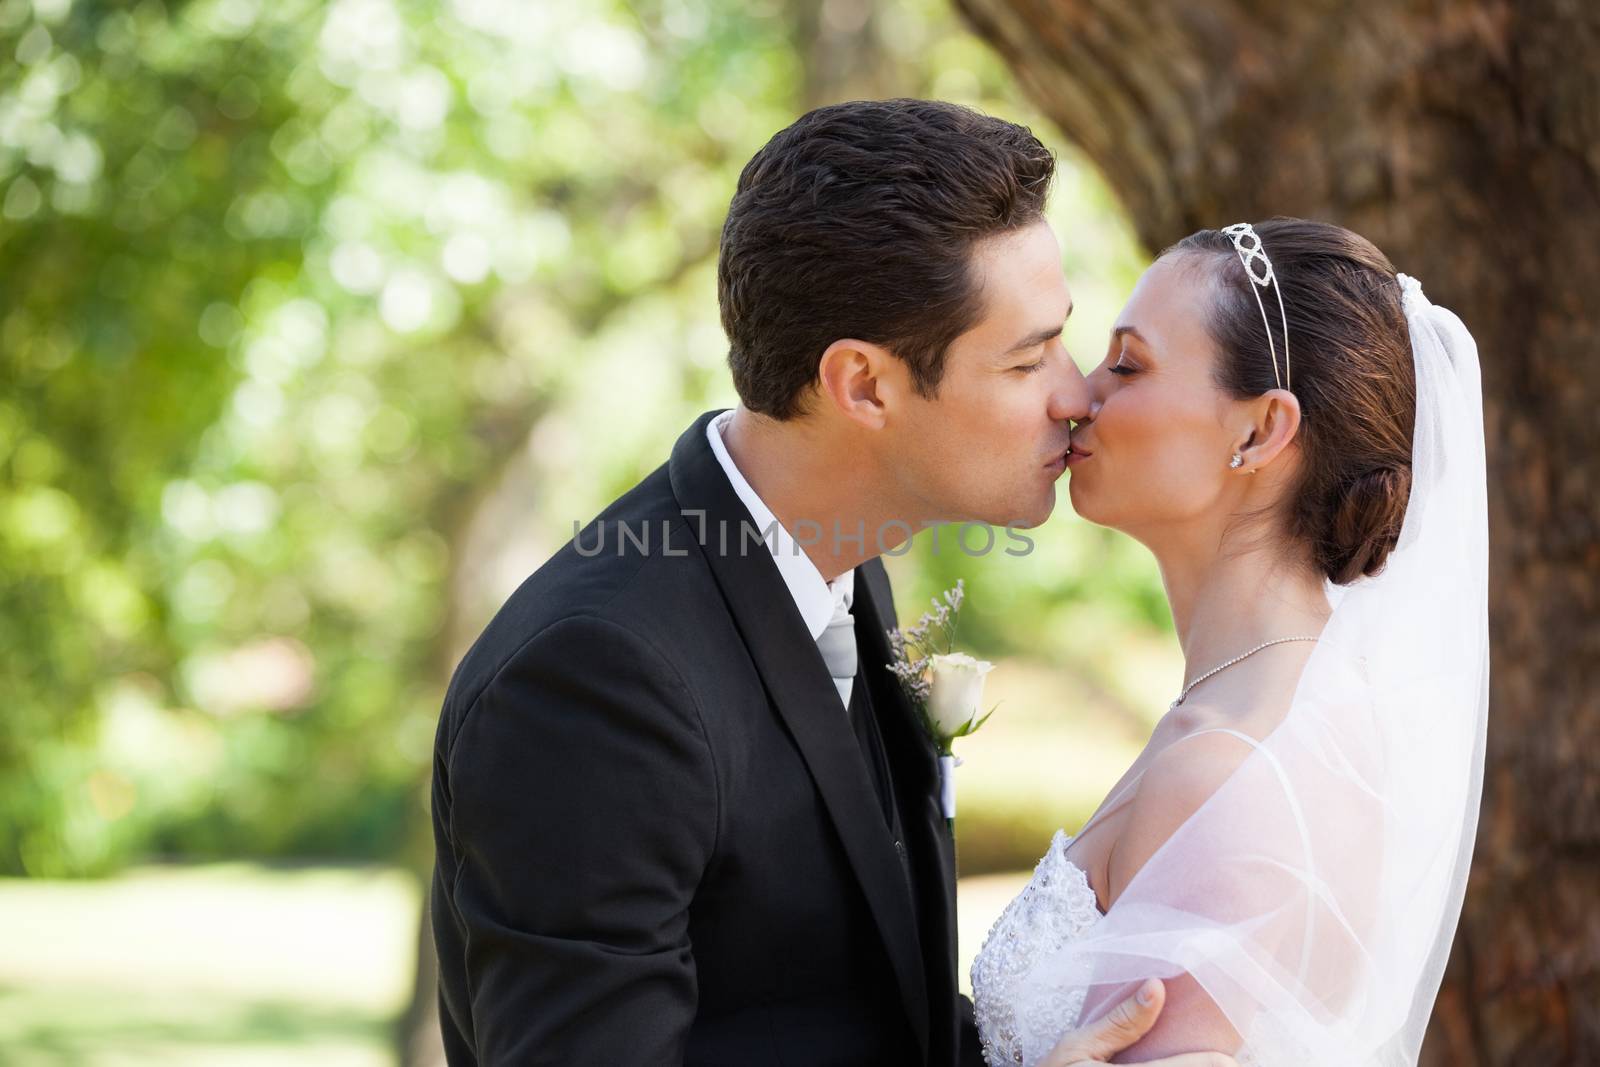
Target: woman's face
<point>1154,452</point>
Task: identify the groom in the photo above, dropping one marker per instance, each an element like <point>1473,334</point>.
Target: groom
<point>682,812</point>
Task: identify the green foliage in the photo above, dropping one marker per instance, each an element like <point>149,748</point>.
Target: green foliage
<point>304,301</point>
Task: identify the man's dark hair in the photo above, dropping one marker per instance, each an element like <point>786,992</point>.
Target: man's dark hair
<point>859,221</point>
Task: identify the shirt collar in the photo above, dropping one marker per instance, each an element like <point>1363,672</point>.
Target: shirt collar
<point>817,600</point>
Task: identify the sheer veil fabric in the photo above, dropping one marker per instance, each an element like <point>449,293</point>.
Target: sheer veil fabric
<point>1315,895</point>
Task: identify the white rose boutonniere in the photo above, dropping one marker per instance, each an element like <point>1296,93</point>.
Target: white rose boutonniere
<point>945,686</point>
<point>953,697</point>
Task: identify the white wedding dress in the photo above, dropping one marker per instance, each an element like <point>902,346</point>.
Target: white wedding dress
<point>1313,897</point>
<point>1020,1022</point>
<point>1055,908</point>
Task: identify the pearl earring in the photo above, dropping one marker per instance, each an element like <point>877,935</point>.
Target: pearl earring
<point>1236,462</point>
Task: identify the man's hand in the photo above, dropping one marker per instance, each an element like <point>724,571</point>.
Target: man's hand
<point>1126,1024</point>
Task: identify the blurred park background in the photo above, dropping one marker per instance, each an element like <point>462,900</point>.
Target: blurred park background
<point>322,322</point>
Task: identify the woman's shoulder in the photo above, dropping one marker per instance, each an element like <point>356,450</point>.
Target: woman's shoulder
<point>1177,782</point>
<point>1187,772</point>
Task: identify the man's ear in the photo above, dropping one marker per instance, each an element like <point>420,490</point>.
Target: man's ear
<point>1274,422</point>
<point>859,379</point>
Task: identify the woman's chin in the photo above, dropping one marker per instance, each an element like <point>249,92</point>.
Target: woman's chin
<point>1079,498</point>
<point>1084,502</point>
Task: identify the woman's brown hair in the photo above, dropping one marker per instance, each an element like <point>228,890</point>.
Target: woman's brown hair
<point>1351,371</point>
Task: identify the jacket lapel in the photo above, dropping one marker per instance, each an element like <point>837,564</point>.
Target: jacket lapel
<point>914,763</point>
<point>798,684</point>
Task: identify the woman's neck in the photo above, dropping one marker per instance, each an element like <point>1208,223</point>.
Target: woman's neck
<point>1228,598</point>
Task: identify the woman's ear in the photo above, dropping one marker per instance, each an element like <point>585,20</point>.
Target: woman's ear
<point>858,379</point>
<point>1274,421</point>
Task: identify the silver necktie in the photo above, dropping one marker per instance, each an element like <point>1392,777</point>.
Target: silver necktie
<point>837,643</point>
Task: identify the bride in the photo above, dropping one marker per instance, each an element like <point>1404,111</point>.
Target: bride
<point>1296,433</point>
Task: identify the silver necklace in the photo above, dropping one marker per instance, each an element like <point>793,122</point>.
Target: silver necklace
<point>1231,662</point>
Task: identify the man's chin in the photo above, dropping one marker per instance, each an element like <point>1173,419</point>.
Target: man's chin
<point>1033,513</point>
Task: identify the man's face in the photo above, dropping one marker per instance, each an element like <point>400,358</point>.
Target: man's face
<point>989,446</point>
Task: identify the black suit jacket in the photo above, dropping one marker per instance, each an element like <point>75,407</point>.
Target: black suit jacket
<point>657,840</point>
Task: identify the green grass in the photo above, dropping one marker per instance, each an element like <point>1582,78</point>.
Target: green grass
<point>229,965</point>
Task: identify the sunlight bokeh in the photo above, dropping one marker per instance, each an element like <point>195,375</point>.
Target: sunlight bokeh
<point>323,325</point>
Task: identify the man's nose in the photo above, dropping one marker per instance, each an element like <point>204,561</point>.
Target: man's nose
<point>1071,397</point>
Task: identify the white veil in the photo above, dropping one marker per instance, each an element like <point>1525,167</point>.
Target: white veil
<point>1315,895</point>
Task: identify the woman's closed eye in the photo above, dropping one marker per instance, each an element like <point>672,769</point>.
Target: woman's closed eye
<point>1122,368</point>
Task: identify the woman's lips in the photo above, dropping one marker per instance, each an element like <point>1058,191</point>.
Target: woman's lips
<point>1076,455</point>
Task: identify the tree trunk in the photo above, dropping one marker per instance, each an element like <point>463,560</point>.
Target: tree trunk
<point>1463,137</point>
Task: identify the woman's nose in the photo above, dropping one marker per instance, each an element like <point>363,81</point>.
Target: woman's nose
<point>1098,384</point>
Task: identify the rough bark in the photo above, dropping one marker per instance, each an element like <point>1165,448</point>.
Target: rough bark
<point>1463,137</point>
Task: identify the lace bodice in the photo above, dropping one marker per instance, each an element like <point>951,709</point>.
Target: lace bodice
<point>1020,1021</point>
<point>1019,1025</point>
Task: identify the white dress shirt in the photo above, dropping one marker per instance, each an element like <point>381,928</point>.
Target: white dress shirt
<point>818,601</point>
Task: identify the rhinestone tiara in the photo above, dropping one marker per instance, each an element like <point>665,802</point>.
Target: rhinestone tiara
<point>1258,267</point>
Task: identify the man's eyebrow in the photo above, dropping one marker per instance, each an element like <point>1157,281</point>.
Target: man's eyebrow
<point>1039,337</point>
